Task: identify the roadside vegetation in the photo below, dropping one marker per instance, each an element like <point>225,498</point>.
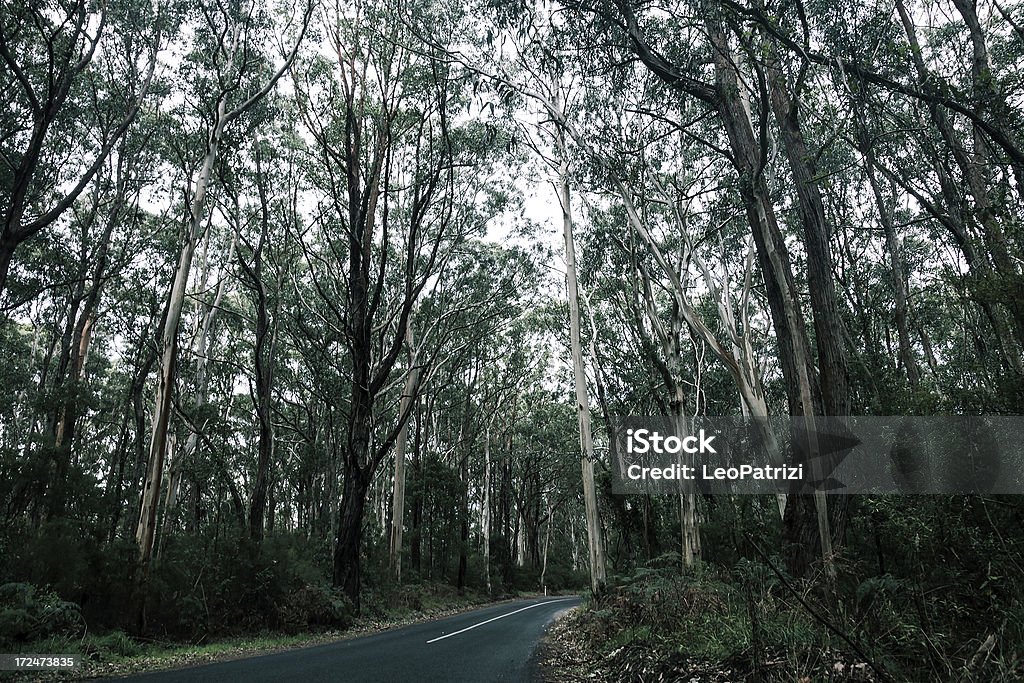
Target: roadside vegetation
<point>212,598</point>
<point>928,590</point>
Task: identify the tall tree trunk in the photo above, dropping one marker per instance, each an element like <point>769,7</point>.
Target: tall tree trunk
<point>415,557</point>
<point>896,266</point>
<point>398,497</point>
<point>205,345</point>
<point>594,539</point>
<point>832,363</point>
<point>794,353</point>
<point>485,513</point>
<point>350,531</point>
<point>773,254</point>
<point>547,544</point>
<point>264,351</point>
<point>462,575</point>
<point>145,533</point>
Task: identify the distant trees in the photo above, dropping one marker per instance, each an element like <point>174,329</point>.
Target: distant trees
<point>290,248</point>
<point>742,82</point>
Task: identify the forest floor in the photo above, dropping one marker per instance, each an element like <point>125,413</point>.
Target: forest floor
<point>563,655</point>
<point>103,658</point>
<point>569,654</point>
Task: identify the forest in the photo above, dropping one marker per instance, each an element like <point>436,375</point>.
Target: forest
<point>313,311</point>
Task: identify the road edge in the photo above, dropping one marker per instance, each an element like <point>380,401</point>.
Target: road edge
<point>185,660</point>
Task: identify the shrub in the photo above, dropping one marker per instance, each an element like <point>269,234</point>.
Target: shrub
<point>314,605</point>
<point>115,643</point>
<point>28,614</point>
<point>229,586</point>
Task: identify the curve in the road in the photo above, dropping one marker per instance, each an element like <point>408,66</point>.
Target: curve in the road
<point>491,644</point>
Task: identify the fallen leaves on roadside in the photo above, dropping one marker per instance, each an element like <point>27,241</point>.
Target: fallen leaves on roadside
<point>566,656</point>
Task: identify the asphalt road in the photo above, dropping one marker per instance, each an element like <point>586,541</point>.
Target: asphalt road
<point>491,644</point>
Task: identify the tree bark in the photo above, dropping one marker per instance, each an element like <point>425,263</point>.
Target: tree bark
<point>264,351</point>
<point>401,444</point>
<point>205,345</point>
<point>832,363</point>
<point>899,278</point>
<point>145,533</point>
<point>346,550</point>
<point>485,521</point>
<point>594,538</point>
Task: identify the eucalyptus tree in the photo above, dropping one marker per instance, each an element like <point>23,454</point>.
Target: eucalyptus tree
<point>107,229</point>
<point>613,166</point>
<point>729,97</point>
<point>261,196</point>
<point>462,322</point>
<point>968,98</point>
<point>226,80</point>
<point>66,300</point>
<point>398,182</point>
<point>76,76</point>
<point>539,75</point>
<point>970,195</point>
<point>215,274</point>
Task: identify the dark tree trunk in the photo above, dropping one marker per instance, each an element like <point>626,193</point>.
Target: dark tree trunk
<point>773,255</point>
<point>800,527</point>
<point>463,546</point>
<point>350,524</point>
<point>832,364</point>
<point>7,247</point>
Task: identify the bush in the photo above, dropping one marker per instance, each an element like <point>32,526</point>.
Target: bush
<point>314,605</point>
<point>71,561</point>
<point>230,586</point>
<point>116,643</point>
<point>29,614</point>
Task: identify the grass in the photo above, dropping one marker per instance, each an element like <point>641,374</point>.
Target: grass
<point>117,654</point>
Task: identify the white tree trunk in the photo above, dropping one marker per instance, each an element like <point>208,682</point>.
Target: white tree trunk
<point>145,532</point>
<point>594,539</point>
<point>485,521</point>
<point>412,379</point>
<point>205,346</point>
<point>547,543</point>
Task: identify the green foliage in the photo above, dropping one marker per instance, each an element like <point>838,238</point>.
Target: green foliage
<point>28,613</point>
<point>923,584</point>
<point>928,588</point>
<point>229,586</point>
<point>71,561</point>
<point>117,643</point>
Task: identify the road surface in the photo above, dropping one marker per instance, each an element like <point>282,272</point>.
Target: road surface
<point>491,644</point>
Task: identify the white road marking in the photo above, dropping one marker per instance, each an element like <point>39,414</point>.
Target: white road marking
<point>500,616</point>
